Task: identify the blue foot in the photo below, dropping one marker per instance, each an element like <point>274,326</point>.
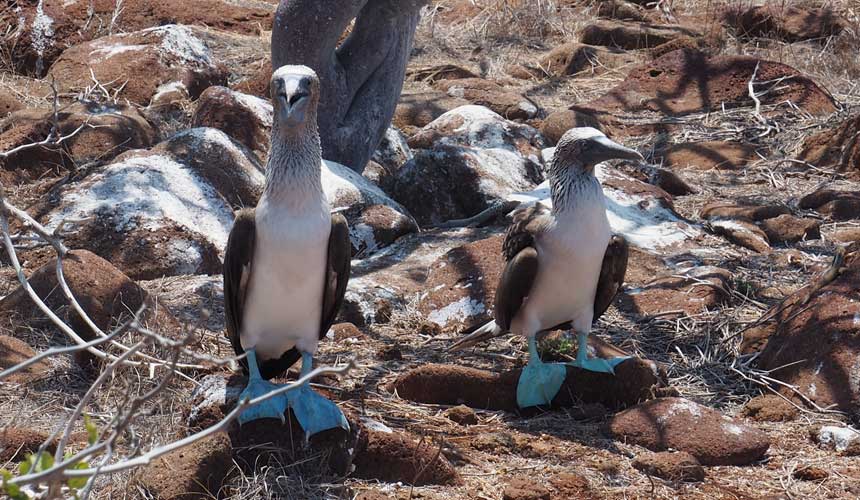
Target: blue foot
<point>314,412</point>
<point>599,364</point>
<point>539,382</point>
<point>273,407</point>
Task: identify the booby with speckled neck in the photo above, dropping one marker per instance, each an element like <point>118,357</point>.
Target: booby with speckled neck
<point>287,261</point>
<point>563,265</point>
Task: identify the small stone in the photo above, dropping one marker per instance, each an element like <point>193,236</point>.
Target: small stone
<point>522,488</point>
<point>462,415</point>
<point>730,210</point>
<point>789,229</point>
<point>742,233</point>
<point>810,473</point>
<point>770,408</point>
<point>14,351</point>
<point>390,353</point>
<point>672,466</point>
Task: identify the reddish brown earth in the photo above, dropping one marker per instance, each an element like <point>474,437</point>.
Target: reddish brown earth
<point>786,22</point>
<point>16,443</point>
<point>672,466</point>
<point>821,331</point>
<point>709,155</point>
<point>837,148</point>
<point>688,81</point>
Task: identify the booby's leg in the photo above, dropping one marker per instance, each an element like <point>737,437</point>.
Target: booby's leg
<point>539,382</point>
<point>314,412</point>
<point>594,364</point>
<point>273,407</point>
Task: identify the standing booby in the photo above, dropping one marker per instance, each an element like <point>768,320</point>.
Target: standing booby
<point>563,265</point>
<point>287,261</point>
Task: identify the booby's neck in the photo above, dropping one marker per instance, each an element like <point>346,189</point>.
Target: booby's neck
<point>295,159</point>
<point>570,185</point>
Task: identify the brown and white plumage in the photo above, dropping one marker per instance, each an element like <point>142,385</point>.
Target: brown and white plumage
<point>565,258</point>
<point>238,271</point>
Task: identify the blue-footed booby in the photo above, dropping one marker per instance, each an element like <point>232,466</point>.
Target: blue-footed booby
<point>287,261</point>
<point>563,265</point>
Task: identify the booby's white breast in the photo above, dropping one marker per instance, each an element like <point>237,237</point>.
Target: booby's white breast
<point>570,256</point>
<point>283,307</point>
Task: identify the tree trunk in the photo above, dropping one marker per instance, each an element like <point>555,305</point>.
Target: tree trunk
<point>362,78</point>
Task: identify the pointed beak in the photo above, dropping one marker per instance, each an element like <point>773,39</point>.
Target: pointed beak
<point>609,150</point>
<point>293,96</point>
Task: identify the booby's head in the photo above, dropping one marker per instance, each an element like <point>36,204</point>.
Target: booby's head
<point>295,95</point>
<point>584,147</point>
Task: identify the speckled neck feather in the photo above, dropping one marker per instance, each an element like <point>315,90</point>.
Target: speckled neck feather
<point>295,160</point>
<point>571,182</point>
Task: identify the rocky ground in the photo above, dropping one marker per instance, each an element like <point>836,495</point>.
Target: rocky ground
<point>741,302</point>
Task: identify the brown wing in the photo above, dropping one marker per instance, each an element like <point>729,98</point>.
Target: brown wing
<point>527,223</point>
<point>522,262</point>
<point>514,286</point>
<point>611,274</point>
<point>337,271</point>
<point>237,274</point>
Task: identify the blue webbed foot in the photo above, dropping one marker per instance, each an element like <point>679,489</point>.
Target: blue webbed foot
<point>599,364</point>
<point>273,407</point>
<point>539,382</point>
<point>314,412</point>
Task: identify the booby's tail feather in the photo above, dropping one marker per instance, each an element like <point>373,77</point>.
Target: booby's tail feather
<point>488,331</point>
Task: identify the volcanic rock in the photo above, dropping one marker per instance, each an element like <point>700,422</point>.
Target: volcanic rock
<point>14,351</point>
<point>742,233</point>
<point>679,424</point>
<point>790,229</point>
<point>663,86</point>
<point>139,63</point>
<point>785,22</point>
<point>558,122</point>
<point>101,132</point>
<point>492,95</point>
<point>635,380</point>
<point>709,155</point>
<point>166,211</point>
<point>44,29</point>
<point>816,347</point>
<point>672,466</point>
<point>573,58</point>
<point>16,443</point>
<point>417,109</point>
<point>104,292</point>
<point>729,210</point>
<point>837,148</point>
<point>840,205</point>
<point>627,35</point>
<point>245,118</point>
<point>468,158</point>
<point>692,292</point>
<point>194,471</point>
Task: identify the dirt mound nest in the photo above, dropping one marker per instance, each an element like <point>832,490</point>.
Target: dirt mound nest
<point>837,148</point>
<point>634,380</point>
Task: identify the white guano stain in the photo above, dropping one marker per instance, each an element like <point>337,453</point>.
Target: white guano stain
<point>461,309</point>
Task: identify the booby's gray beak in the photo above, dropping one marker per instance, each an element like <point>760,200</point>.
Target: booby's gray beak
<point>607,149</point>
<point>294,97</point>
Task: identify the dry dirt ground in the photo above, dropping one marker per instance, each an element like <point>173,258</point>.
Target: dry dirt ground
<point>699,352</point>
